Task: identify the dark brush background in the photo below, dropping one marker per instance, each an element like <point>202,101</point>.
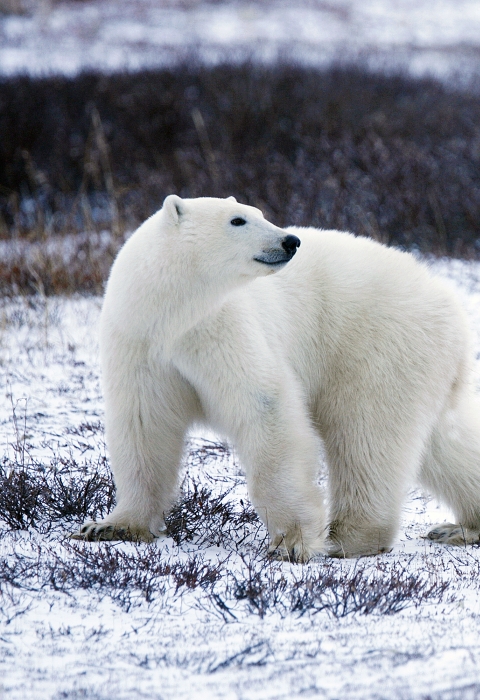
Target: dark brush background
<point>390,157</point>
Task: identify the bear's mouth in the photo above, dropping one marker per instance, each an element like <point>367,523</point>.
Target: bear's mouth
<point>273,263</point>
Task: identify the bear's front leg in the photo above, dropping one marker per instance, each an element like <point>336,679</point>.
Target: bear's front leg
<point>280,452</point>
<point>281,472</point>
<point>254,398</point>
<point>148,411</point>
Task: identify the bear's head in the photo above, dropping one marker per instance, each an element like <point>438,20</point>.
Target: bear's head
<point>223,238</point>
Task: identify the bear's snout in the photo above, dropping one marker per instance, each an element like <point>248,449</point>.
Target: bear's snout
<point>274,257</point>
<point>290,244</point>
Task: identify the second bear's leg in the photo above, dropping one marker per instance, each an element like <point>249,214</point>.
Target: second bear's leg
<point>280,453</point>
<point>249,393</point>
<point>281,467</point>
<point>260,407</point>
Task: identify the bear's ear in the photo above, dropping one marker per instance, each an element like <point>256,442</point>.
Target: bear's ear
<point>173,208</point>
<point>231,199</point>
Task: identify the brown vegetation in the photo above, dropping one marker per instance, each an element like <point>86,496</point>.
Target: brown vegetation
<point>384,156</point>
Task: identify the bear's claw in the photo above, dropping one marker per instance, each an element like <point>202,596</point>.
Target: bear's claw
<point>285,548</point>
<point>96,532</point>
<point>454,534</point>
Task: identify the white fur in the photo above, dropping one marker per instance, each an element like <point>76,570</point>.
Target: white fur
<point>351,341</point>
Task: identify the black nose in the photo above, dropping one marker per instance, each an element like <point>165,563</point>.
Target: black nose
<point>290,244</point>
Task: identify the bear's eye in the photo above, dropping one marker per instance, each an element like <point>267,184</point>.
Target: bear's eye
<point>238,221</point>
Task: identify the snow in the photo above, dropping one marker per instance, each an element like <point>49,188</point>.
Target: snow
<point>102,642</point>
<point>442,39</point>
<point>61,638</point>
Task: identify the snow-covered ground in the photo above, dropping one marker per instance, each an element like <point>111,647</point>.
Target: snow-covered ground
<point>440,37</point>
<point>210,617</point>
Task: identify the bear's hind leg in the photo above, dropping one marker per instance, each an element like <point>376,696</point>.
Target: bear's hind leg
<point>451,471</point>
<point>368,480</point>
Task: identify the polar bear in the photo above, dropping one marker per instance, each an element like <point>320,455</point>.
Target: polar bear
<point>211,316</point>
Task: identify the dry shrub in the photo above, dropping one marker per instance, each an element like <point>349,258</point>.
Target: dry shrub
<point>37,496</point>
<point>241,578</point>
<point>386,156</point>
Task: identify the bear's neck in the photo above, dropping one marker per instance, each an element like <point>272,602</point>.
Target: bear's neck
<point>180,287</point>
<point>182,308</point>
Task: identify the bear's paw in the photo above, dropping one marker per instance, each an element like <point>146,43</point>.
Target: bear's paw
<point>292,548</point>
<point>338,551</point>
<point>107,531</point>
<point>454,534</point>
